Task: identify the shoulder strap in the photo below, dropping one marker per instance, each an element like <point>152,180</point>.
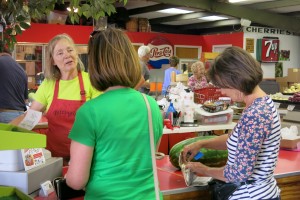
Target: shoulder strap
<point>152,147</point>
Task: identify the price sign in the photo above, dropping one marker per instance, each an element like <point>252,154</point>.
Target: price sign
<point>290,107</point>
<point>270,50</point>
<point>277,105</point>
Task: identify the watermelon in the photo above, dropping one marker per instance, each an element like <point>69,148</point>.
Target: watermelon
<point>211,157</point>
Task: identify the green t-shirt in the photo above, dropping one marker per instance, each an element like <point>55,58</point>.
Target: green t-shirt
<point>68,89</point>
<point>116,125</point>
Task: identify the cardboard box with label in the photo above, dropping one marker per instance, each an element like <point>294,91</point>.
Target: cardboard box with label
<point>293,75</point>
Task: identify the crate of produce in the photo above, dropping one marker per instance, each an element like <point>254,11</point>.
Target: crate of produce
<point>207,94</point>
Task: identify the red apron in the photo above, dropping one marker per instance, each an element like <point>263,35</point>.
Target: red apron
<point>61,116</point>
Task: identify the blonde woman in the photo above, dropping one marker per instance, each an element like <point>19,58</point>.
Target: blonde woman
<point>65,88</point>
<point>198,80</point>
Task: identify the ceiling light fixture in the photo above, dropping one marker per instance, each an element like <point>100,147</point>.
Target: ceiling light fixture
<point>175,11</point>
<point>212,18</point>
<point>245,22</point>
<point>74,9</point>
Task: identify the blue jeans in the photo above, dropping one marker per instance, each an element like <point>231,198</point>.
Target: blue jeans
<point>6,117</point>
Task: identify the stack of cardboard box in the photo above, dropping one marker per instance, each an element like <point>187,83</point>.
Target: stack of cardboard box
<point>292,77</point>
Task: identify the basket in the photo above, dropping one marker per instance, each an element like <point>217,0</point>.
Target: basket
<point>132,25</point>
<point>207,94</point>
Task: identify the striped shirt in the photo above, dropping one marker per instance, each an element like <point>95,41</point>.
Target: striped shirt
<point>253,148</point>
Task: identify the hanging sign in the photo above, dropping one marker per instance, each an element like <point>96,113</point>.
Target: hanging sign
<point>161,51</point>
<point>267,49</point>
<point>270,50</point>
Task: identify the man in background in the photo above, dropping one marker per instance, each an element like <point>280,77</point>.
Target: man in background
<point>13,86</point>
<point>144,55</point>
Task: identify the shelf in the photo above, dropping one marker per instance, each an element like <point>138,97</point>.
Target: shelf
<point>29,60</point>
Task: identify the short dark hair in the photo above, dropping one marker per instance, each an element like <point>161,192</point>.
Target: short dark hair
<point>173,60</point>
<point>113,60</point>
<point>236,68</point>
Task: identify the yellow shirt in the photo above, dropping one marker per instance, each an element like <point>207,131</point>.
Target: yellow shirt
<point>68,90</point>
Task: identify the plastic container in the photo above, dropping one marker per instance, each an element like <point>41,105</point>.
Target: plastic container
<point>11,160</point>
<point>205,118</point>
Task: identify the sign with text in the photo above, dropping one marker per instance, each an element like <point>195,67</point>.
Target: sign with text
<point>161,51</point>
<point>32,158</point>
<point>268,49</point>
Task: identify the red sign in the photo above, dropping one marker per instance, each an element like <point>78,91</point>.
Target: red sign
<point>161,51</point>
<point>270,50</point>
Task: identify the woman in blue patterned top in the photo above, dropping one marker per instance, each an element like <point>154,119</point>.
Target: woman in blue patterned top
<point>253,145</point>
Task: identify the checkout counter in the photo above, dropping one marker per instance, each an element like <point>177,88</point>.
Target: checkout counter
<point>172,184</point>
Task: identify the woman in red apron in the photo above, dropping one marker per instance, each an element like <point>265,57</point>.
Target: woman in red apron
<point>65,88</point>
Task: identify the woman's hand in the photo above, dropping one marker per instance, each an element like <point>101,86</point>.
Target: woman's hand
<point>197,168</point>
<point>189,151</point>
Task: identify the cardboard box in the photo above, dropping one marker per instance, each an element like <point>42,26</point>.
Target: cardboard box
<point>29,181</point>
<point>29,50</point>
<point>31,82</point>
<point>30,68</point>
<point>283,83</point>
<point>293,75</point>
<point>11,192</point>
<point>288,143</point>
<point>20,56</point>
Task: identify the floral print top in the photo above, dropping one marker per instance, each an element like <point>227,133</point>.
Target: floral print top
<point>253,148</point>
<point>195,84</point>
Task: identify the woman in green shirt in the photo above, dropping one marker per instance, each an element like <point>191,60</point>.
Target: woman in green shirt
<point>110,148</point>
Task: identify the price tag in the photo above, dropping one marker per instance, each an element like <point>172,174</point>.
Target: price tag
<point>46,189</point>
<point>277,105</point>
<point>290,107</point>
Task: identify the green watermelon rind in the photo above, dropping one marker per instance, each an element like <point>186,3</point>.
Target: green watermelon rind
<point>211,157</point>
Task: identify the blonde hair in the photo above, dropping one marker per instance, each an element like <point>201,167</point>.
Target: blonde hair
<point>197,65</point>
<point>52,72</point>
<point>113,60</point>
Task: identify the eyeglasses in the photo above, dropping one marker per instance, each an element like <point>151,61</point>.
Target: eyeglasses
<point>93,33</point>
<point>96,31</point>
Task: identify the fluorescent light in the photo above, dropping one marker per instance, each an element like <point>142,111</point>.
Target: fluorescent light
<point>212,18</point>
<point>74,9</point>
<point>175,11</point>
<point>236,1</point>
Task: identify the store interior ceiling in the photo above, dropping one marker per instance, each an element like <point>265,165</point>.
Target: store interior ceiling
<point>281,14</point>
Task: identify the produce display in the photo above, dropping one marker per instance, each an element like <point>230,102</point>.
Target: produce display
<point>295,97</point>
<point>279,96</point>
<point>293,88</point>
<point>211,157</point>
